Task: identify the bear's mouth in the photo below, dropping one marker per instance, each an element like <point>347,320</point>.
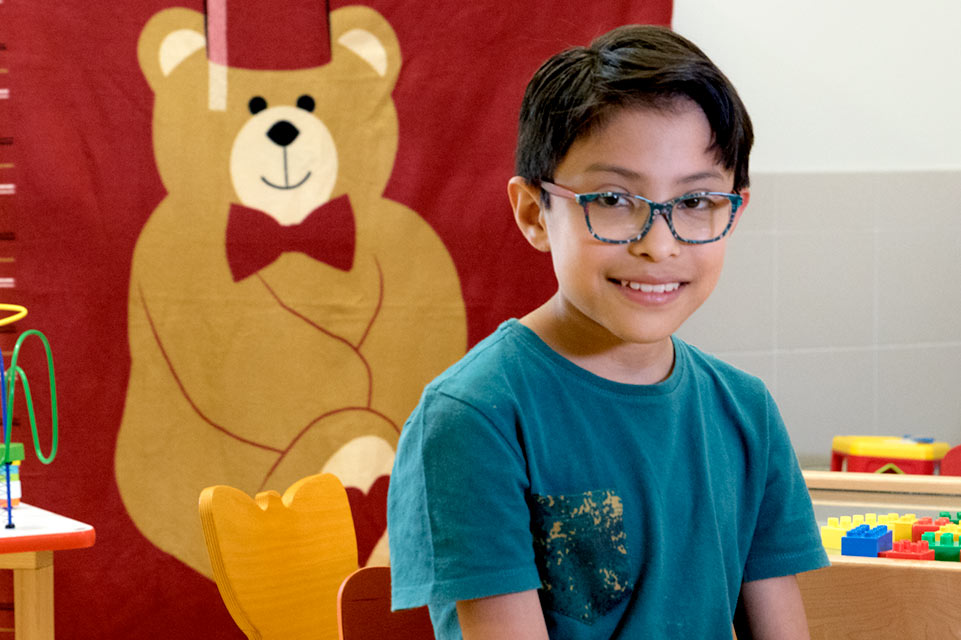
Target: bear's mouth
<point>287,185</point>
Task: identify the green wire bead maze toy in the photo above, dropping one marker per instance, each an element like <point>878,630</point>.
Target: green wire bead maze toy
<point>14,452</point>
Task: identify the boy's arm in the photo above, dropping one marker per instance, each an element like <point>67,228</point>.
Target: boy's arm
<point>774,610</point>
<point>514,615</point>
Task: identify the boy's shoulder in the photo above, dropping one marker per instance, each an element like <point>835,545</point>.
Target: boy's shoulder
<point>488,360</point>
<point>710,369</point>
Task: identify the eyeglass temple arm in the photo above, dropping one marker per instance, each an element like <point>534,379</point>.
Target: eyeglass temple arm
<point>557,190</point>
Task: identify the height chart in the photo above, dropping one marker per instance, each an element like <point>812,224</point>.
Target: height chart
<point>8,190</point>
<point>8,183</point>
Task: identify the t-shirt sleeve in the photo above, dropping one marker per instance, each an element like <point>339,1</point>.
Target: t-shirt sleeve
<point>786,538</point>
<point>457,514</point>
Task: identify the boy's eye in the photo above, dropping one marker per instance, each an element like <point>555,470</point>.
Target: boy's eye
<point>612,199</point>
<point>696,202</point>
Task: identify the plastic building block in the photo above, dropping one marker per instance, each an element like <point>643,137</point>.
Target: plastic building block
<point>947,514</point>
<point>887,519</point>
<point>866,541</point>
<point>946,548</point>
<point>902,526</point>
<point>835,529</point>
<point>907,550</point>
<point>924,525</point>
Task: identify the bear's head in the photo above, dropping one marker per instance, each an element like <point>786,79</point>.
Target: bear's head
<point>282,141</point>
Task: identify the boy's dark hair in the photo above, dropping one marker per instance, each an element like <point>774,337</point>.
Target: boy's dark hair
<point>579,89</point>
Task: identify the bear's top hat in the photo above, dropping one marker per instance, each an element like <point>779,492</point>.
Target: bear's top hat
<point>274,35</point>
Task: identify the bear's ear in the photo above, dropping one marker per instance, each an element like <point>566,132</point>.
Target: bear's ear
<point>169,37</point>
<point>365,33</point>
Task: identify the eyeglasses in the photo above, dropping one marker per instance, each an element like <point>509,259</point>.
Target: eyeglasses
<point>620,218</point>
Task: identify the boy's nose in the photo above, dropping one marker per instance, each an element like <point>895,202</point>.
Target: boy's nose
<point>658,244</point>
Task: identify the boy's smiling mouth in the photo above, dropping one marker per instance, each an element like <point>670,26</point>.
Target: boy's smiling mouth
<point>667,287</point>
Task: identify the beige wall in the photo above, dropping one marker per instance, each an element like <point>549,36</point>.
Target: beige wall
<point>849,85</point>
<point>843,285</point>
<point>843,292</point>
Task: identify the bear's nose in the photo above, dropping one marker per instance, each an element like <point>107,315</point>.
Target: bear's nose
<point>283,133</point>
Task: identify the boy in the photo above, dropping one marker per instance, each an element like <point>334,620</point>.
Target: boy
<point>581,473</point>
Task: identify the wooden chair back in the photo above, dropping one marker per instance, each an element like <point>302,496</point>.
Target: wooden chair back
<point>363,610</point>
<point>279,561</point>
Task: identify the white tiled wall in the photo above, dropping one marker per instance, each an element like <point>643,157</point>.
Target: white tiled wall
<point>843,292</point>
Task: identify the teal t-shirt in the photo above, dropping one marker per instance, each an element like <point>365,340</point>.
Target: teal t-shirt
<point>637,510</point>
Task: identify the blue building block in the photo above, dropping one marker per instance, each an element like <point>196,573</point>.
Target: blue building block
<point>866,541</point>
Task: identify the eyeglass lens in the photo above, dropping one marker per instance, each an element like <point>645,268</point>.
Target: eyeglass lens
<point>620,217</point>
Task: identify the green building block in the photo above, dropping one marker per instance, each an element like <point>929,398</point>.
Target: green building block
<point>946,548</point>
<point>947,514</point>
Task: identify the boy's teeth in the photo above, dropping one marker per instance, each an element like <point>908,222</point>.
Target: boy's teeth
<point>650,288</point>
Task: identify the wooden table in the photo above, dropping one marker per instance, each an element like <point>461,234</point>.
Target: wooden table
<point>28,550</point>
<point>876,597</point>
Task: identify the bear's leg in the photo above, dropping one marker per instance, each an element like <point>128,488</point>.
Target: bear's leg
<point>356,445</point>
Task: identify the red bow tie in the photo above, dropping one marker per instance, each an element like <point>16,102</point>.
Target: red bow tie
<point>255,240</point>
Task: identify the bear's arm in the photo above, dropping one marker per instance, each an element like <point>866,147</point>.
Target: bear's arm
<point>421,328</point>
<point>244,362</point>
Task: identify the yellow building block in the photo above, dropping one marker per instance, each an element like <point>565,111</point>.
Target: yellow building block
<point>953,529</point>
<point>836,528</point>
<point>902,526</point>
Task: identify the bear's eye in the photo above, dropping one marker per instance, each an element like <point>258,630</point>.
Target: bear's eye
<point>306,103</point>
<point>257,104</point>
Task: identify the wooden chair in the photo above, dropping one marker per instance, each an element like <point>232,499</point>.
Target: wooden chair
<point>363,610</point>
<point>279,562</point>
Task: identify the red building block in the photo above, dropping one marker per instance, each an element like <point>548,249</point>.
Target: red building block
<point>923,525</point>
<point>907,550</point>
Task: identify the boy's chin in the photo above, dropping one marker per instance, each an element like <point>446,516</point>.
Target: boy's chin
<point>641,333</point>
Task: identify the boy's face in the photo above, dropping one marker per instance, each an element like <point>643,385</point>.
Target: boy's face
<point>658,154</point>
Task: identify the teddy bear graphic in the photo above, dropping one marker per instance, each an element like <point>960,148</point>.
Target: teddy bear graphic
<point>283,316</point>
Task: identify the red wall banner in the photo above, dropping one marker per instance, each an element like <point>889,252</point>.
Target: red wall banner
<point>133,141</point>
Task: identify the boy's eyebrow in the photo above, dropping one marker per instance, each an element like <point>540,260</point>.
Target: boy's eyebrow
<point>703,175</point>
<point>600,167</point>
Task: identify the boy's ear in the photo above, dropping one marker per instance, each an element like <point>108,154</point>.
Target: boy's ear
<point>528,212</point>
<point>745,199</point>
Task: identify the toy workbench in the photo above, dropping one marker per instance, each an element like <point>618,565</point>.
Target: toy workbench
<point>879,597</point>
<point>886,454</point>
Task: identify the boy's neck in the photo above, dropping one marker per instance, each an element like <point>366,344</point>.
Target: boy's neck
<point>593,348</point>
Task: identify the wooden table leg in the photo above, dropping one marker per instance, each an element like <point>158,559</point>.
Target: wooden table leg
<point>32,594</point>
